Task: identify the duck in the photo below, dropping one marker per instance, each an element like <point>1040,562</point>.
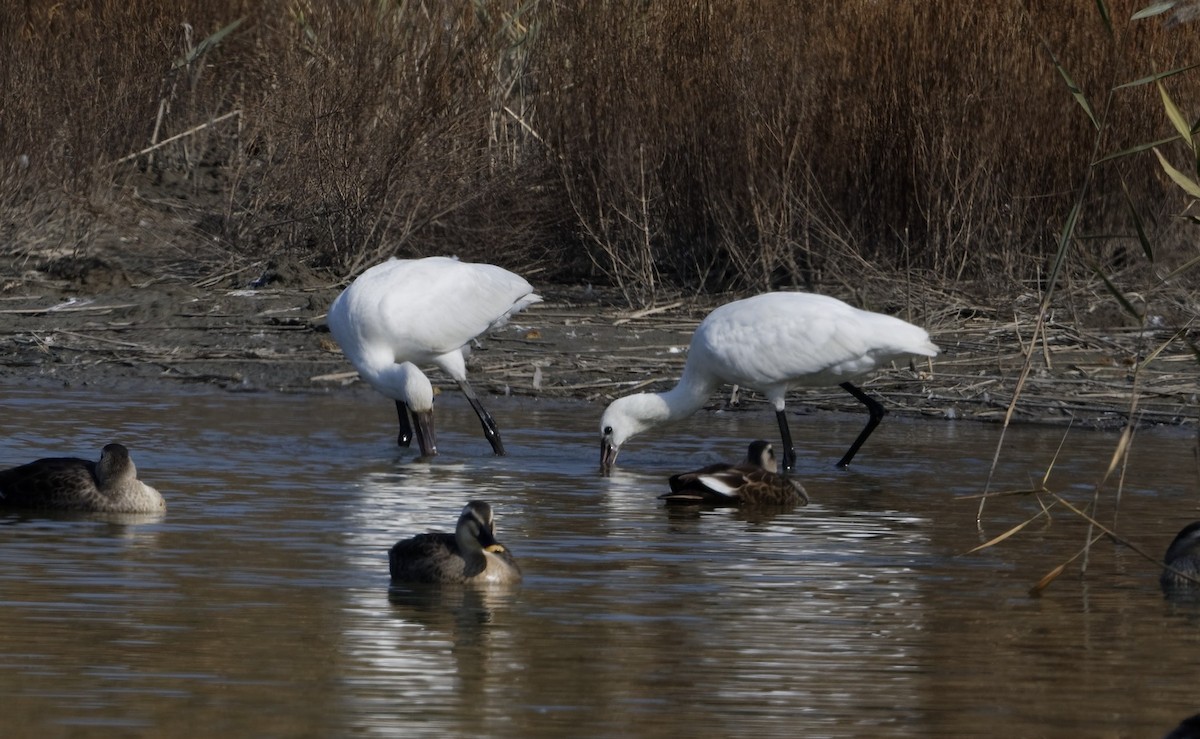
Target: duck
<point>772,343</point>
<point>471,555</point>
<point>1183,559</point>
<point>72,484</point>
<point>1189,728</point>
<point>403,314</point>
<point>754,481</point>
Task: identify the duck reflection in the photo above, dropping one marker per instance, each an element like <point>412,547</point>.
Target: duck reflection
<point>462,612</point>
<point>756,514</point>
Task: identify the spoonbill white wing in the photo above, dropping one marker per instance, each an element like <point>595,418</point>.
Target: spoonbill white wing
<point>425,308</point>
<point>405,313</point>
<point>784,340</point>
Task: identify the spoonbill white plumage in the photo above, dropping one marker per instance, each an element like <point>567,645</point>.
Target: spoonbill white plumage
<point>772,343</point>
<point>407,313</point>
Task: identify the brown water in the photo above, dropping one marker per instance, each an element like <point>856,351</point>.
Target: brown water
<point>260,604</point>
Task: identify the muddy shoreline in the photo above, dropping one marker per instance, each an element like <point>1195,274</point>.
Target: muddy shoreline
<point>108,329</point>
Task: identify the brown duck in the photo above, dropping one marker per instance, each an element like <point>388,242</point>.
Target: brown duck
<point>754,481</point>
<point>72,484</point>
<point>1183,559</point>
<point>471,555</point>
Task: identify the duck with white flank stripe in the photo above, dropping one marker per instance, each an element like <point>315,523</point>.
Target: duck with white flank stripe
<point>753,482</point>
<point>772,343</point>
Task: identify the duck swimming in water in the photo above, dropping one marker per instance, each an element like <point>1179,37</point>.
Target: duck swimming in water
<point>72,484</point>
<point>471,555</point>
<point>754,481</point>
<point>1183,559</point>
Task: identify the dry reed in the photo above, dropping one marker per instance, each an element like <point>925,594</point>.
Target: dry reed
<point>662,147</point>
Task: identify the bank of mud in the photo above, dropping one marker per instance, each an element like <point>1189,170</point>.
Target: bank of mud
<point>266,332</point>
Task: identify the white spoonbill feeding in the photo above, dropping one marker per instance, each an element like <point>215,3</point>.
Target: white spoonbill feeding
<point>407,313</point>
<point>772,343</point>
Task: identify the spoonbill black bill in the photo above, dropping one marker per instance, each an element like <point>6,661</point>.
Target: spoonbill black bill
<point>754,481</point>
<point>405,314</point>
<point>772,343</point>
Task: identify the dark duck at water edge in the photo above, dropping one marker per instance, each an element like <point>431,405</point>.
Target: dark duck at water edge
<point>1182,559</point>
<point>471,555</point>
<point>754,481</point>
<point>71,484</point>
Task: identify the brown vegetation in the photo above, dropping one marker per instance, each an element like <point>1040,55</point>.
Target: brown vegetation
<point>658,146</point>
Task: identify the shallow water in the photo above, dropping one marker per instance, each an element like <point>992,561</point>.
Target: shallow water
<point>260,604</point>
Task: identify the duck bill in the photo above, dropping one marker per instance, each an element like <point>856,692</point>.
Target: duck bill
<point>487,540</point>
<point>608,457</point>
<point>426,436</point>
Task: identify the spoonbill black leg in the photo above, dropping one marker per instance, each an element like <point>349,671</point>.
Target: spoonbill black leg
<point>877,412</point>
<point>789,452</point>
<point>406,433</point>
<point>490,432</point>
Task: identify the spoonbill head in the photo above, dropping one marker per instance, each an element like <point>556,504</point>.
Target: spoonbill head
<point>411,385</point>
<point>424,312</point>
<point>772,343</point>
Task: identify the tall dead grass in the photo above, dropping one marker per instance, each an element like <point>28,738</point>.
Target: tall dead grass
<point>657,146</point>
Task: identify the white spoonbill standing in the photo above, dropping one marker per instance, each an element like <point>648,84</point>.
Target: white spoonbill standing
<point>407,313</point>
<point>772,343</point>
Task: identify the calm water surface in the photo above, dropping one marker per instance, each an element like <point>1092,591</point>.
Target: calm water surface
<point>260,604</point>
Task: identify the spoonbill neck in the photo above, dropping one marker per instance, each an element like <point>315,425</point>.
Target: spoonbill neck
<point>403,382</point>
<point>688,396</point>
